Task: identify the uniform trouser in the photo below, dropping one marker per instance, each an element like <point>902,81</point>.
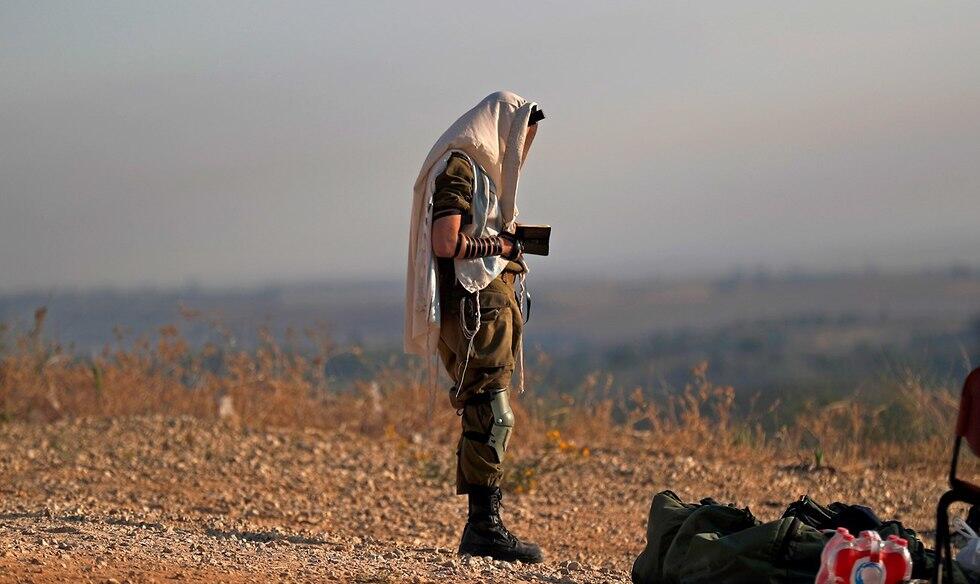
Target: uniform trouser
<point>489,371</point>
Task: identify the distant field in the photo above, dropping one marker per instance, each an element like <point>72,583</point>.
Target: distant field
<point>816,334</point>
<point>565,312</point>
<point>608,311</point>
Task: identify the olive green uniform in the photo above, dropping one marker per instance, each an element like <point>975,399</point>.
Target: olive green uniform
<point>494,345</point>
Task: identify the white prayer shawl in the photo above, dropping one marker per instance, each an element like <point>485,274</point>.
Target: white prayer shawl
<point>477,273</point>
<point>492,135</point>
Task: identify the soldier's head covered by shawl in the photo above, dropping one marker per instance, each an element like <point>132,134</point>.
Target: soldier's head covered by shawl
<point>493,134</point>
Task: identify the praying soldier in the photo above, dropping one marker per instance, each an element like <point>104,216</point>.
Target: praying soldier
<point>465,284</point>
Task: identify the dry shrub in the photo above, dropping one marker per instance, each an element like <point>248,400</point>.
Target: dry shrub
<point>41,381</point>
<point>908,421</point>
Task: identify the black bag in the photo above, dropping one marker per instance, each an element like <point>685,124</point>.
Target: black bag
<point>856,518</point>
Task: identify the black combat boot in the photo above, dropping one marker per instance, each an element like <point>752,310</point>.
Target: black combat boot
<point>485,534</point>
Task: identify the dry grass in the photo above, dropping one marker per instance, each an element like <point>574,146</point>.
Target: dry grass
<point>272,386</point>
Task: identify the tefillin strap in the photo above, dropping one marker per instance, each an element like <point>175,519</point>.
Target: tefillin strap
<point>468,247</point>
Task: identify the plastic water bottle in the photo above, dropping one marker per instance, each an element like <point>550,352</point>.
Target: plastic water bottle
<point>897,559</point>
<point>869,569</point>
<point>840,540</point>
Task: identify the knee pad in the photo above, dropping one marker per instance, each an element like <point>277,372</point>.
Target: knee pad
<point>503,423</point>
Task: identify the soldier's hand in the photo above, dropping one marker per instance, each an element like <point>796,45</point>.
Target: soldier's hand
<point>508,247</point>
<point>511,246</point>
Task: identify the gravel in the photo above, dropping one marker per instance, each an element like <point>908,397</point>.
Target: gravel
<point>150,499</point>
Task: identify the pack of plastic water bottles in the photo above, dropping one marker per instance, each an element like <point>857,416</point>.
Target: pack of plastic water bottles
<point>865,559</point>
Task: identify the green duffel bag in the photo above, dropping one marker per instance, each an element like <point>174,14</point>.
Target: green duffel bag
<point>709,543</point>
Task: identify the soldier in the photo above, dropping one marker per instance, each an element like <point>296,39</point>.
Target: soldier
<point>466,272</point>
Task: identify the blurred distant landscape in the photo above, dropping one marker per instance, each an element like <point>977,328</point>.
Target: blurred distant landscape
<point>785,336</point>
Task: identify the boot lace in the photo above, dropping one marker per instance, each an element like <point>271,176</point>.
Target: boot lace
<point>498,522</point>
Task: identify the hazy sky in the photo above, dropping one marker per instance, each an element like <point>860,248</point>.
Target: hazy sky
<point>238,142</point>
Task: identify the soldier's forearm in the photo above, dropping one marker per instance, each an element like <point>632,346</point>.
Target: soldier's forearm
<point>468,247</point>
<point>449,242</point>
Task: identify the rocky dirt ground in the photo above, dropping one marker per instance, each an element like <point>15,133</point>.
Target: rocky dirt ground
<point>178,499</point>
